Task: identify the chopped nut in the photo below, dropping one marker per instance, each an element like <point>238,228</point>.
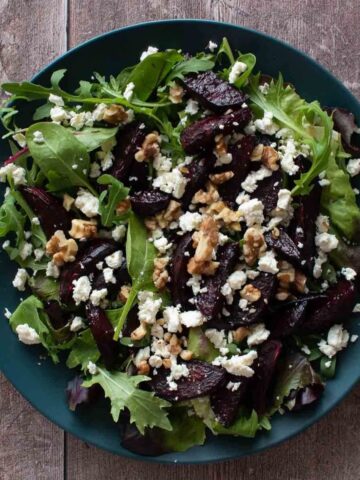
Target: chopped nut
<point>175,347</point>
<point>83,228</point>
<point>282,295</point>
<point>186,355</point>
<point>68,202</point>
<point>240,333</point>
<point>275,233</point>
<point>115,114</point>
<point>220,178</point>
<point>270,158</point>
<point>254,245</point>
<point>256,154</point>
<point>124,293</point>
<point>143,368</point>
<point>300,281</point>
<point>221,212</point>
<point>61,249</point>
<point>286,275</point>
<point>211,195</point>
<point>123,206</point>
<point>150,147</point>
<point>206,240</point>
<point>167,336</point>
<point>250,293</point>
<point>164,218</point>
<point>139,332</point>
<point>220,145</point>
<point>161,275</point>
<point>176,93</point>
<point>167,363</point>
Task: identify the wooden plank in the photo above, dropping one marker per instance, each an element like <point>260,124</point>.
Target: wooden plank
<point>32,34</point>
<point>316,27</point>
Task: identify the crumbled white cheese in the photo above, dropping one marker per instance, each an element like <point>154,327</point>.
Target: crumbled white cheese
<point>162,244</point>
<point>77,324</point>
<point>239,365</point>
<point>155,361</point>
<point>326,242</point>
<point>354,338</point>
<point>266,124</point>
<point>319,261</point>
<point>258,335</point>
<point>171,182</point>
<point>264,88</point>
<point>92,368</point>
<point>237,280</point>
<point>52,270</point>
<point>82,289</point>
<point>216,337</point>
<point>356,309</point>
<point>18,174</point>
<point>95,171</point>
<point>236,70</point>
<point>38,137</point>
<point>162,164</point>
<point>129,91</point>
<point>284,199</point>
<point>25,250</point>
<point>27,334</point>
<point>192,107</point>
<point>353,166</point>
<point>322,223</point>
<point>56,100</point>
<point>38,253</point>
<point>337,339</point>
<point>115,260</point>
<point>251,181</point>
<point>79,120</point>
<point>190,221</point>
<point>223,159</point>
<point>109,275</point>
<point>148,306</point>
<point>118,233</point>
<point>97,296</point>
<point>87,203</point>
<point>306,349</point>
<point>160,348</point>
<point>59,115</point>
<point>348,273</point>
<point>288,152</point>
<point>192,318</point>
<point>150,50</point>
<point>195,283</point>
<point>7,313</point>
<point>172,319</point>
<point>212,46</point>
<point>252,211</point>
<point>99,111</point>
<point>267,262</point>
<point>20,279</point>
<point>233,386</point>
<point>324,182</point>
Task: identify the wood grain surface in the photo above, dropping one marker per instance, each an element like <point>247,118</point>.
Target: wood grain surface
<point>32,33</point>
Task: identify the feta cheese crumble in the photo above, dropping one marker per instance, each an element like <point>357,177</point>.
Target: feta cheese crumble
<point>258,335</point>
<point>150,51</point>
<point>171,182</point>
<point>239,365</point>
<point>190,221</point>
<point>148,306</point>
<point>20,279</point>
<point>77,324</point>
<point>251,181</point>
<point>38,137</point>
<point>27,334</point>
<point>82,289</point>
<point>348,273</point>
<point>92,368</point>
<point>97,296</point>
<point>129,91</point>
<point>268,263</point>
<point>87,203</point>
<point>353,167</point>
<point>337,340</point>
<point>236,70</point>
<point>252,211</point>
<point>115,260</point>
<point>266,124</point>
<point>192,318</point>
<point>212,46</point>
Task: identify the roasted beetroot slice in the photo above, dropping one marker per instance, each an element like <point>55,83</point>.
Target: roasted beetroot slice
<point>122,277</point>
<point>212,92</point>
<point>199,136</point>
<point>138,178</point>
<point>337,305</point>
<point>283,246</point>
<point>203,379</point>
<point>268,356</point>
<point>240,166</point>
<point>267,191</point>
<point>85,264</point>
<point>49,210</point>
<point>286,321</point>
<point>180,292</point>
<point>57,317</point>
<point>225,403</point>
<point>198,172</point>
<point>103,333</point>
<point>266,283</point>
<point>211,302</point>
<point>129,141</point>
<point>149,202</point>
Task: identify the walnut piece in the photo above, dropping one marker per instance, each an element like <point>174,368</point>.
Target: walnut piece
<point>68,202</point>
<point>254,245</point>
<point>83,228</point>
<point>207,197</point>
<point>115,114</point>
<point>186,355</point>
<point>143,368</point>
<point>123,206</point>
<point>205,240</point>
<point>221,212</point>
<point>220,145</point>
<point>150,147</point>
<point>139,332</point>
<point>61,249</point>
<point>176,94</point>
<point>287,277</point>
<point>256,154</point>
<point>164,218</point>
<point>240,333</point>
<point>167,363</point>
<point>161,275</point>
<point>175,347</point>
<point>124,293</point>
<point>300,281</point>
<point>270,158</point>
<point>220,178</point>
<point>250,293</point>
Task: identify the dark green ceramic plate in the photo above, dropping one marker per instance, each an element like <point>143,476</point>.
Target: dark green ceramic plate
<point>43,385</point>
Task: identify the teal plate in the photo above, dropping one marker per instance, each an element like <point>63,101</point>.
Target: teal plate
<point>44,385</point>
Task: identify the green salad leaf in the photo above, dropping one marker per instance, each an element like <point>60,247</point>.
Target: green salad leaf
<point>83,351</point>
<point>196,64</point>
<point>145,409</point>
<point>44,287</point>
<point>61,157</point>
<point>110,198</point>
<point>245,425</point>
<point>11,219</point>
<point>94,137</point>
<point>201,346</point>
<point>140,254</point>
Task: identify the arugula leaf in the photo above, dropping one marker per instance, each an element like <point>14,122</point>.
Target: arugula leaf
<point>110,198</point>
<point>192,65</point>
<point>294,113</point>
<point>145,409</point>
<point>140,254</point>
<point>83,351</point>
<point>93,137</point>
<point>30,311</point>
<point>11,219</point>
<point>250,60</point>
<point>225,50</point>
<point>61,157</point>
<point>45,288</point>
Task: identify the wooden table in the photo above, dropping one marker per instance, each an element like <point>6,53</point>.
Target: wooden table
<point>33,32</point>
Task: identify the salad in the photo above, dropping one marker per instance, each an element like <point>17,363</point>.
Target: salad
<point>186,233</point>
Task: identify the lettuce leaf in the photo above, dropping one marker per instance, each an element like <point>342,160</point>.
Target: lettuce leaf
<point>83,351</point>
<point>110,198</point>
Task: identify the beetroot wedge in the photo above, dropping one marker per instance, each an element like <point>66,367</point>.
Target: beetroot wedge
<point>267,191</point>
<point>198,173</point>
<point>284,246</point>
<point>147,203</point>
<point>203,379</point>
<point>226,400</point>
<point>179,275</point>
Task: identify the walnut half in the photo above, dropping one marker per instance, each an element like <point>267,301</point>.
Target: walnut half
<point>150,147</point>
<point>83,228</point>
<point>206,239</point>
<point>160,275</point>
<point>254,245</point>
<point>61,249</point>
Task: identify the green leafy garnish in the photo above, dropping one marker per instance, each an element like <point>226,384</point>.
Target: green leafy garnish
<point>110,198</point>
<point>201,346</point>
<point>196,64</point>
<point>93,138</point>
<point>83,351</point>
<point>145,409</point>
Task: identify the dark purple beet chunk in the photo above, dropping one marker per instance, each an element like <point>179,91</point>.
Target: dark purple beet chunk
<point>211,302</point>
<point>129,141</point>
<point>122,277</point>
<point>240,165</point>
<point>149,202</point>
<point>103,333</point>
<point>180,292</point>
<point>325,312</point>
<point>225,403</point>
<point>268,356</point>
<point>198,172</point>
<point>284,247</point>
<point>202,380</point>
<point>138,176</point>
<point>212,92</point>
<point>58,318</point>
<point>49,210</point>
<point>267,191</point>
<point>266,283</point>
<point>199,136</point>
<point>287,320</point>
<point>93,252</point>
